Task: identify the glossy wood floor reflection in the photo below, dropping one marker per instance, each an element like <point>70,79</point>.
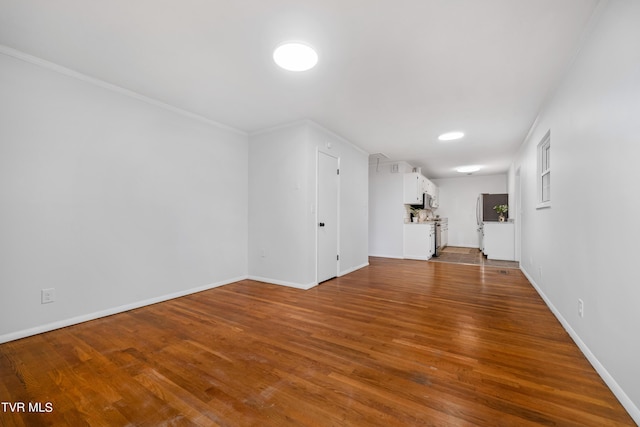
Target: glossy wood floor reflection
<point>399,343</point>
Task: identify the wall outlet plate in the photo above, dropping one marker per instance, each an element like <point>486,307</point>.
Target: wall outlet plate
<point>580,308</point>
<point>47,295</point>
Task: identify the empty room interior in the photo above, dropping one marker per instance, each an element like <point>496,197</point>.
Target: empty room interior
<point>319,213</point>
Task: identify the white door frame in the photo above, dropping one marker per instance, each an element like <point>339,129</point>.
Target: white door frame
<point>518,218</point>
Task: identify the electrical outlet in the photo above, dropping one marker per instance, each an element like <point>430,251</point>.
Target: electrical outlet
<point>580,308</point>
<point>47,295</point>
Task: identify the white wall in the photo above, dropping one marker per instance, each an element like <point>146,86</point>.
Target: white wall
<point>354,207</point>
<point>281,207</point>
<point>586,245</point>
<point>386,209</point>
<point>112,201</point>
<point>282,192</point>
<point>458,203</point>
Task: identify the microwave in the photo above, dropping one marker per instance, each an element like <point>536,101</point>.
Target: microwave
<point>427,202</point>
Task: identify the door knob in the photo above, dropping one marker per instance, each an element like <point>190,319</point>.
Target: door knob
<point>321,224</point>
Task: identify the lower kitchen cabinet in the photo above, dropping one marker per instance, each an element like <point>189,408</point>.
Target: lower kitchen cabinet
<point>444,230</point>
<point>419,240</point>
<point>499,240</point>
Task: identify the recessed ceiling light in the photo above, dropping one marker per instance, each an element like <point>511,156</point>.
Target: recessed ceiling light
<point>468,169</point>
<point>450,136</point>
<point>295,56</point>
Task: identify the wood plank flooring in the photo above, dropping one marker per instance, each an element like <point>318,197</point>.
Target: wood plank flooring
<point>399,343</point>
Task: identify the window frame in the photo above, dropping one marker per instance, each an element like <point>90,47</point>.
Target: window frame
<point>543,176</point>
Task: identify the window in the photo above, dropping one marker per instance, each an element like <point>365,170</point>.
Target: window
<point>544,172</point>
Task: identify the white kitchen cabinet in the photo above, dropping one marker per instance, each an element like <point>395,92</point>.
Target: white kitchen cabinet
<point>444,233</point>
<point>415,185</point>
<point>413,188</point>
<point>419,240</point>
<point>430,188</point>
<point>499,240</point>
<point>436,196</point>
<point>426,186</point>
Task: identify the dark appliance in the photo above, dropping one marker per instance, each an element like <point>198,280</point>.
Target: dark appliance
<point>485,204</point>
<point>427,202</point>
<point>437,240</point>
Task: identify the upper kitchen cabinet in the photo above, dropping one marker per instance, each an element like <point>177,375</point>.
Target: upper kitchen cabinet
<point>427,186</point>
<point>436,196</point>
<point>414,184</point>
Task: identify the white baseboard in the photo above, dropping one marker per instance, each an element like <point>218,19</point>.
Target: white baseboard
<point>387,256</point>
<point>301,285</point>
<point>626,402</point>
<point>351,270</point>
<point>110,311</point>
<point>283,283</point>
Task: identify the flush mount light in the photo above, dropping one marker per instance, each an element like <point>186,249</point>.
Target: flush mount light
<point>295,56</point>
<point>468,169</point>
<point>450,136</point>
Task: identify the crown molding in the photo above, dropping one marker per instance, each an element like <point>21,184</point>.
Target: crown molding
<point>16,54</point>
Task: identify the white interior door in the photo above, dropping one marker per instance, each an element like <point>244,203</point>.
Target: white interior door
<point>327,217</point>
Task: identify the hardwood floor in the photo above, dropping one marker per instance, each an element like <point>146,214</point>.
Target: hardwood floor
<point>397,343</point>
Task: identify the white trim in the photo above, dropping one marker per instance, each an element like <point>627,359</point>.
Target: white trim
<point>351,270</point>
<point>283,283</point>
<point>386,256</point>
<point>5,50</point>
<point>517,193</point>
<point>300,285</point>
<point>626,402</point>
<point>110,311</point>
<point>543,147</point>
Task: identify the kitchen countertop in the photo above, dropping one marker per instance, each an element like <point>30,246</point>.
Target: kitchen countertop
<point>429,221</point>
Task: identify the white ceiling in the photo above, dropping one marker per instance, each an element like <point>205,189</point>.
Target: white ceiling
<point>392,75</point>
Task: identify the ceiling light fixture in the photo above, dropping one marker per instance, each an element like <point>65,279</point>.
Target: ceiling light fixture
<point>295,56</point>
<point>450,136</point>
<point>468,169</point>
